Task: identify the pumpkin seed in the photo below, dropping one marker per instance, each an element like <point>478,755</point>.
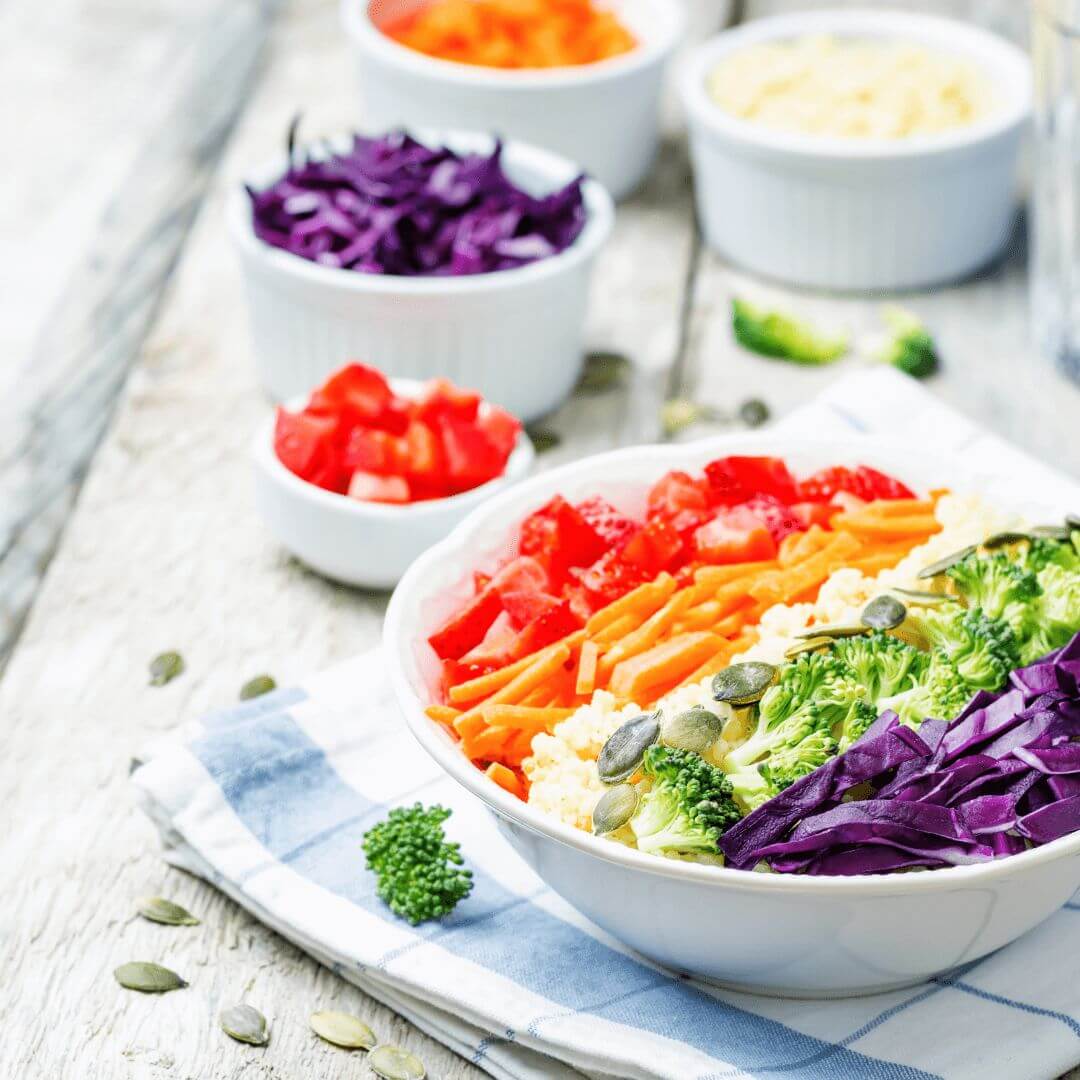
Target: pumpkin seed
<point>743,684</point>
<point>695,729</point>
<point>1003,539</point>
<point>1051,532</point>
<point>603,370</point>
<point>884,613</point>
<point>622,754</point>
<point>754,412</point>
<point>677,414</point>
<point>832,632</point>
<point>942,565</point>
<point>393,1063</point>
<point>542,438</point>
<point>245,1024</point>
<point>810,644</point>
<point>1072,521</point>
<point>253,688</point>
<point>147,978</point>
<point>159,910</point>
<point>165,667</point>
<point>344,1030</point>
<point>926,599</point>
<point>614,809</point>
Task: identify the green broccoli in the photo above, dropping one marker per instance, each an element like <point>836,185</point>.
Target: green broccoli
<point>984,650</point>
<point>772,333</point>
<point>941,693</point>
<point>419,874</point>
<point>906,344</point>
<point>1056,614</point>
<point>862,715</point>
<point>1040,552</point>
<point>688,806</point>
<point>884,664</point>
<point>999,585</point>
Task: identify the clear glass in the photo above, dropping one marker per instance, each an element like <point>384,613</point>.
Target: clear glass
<point>1055,203</point>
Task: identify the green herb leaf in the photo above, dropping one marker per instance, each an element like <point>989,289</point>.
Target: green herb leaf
<point>344,1030</point>
<point>253,688</point>
<point>543,439</point>
<point>393,1063</point>
<point>159,910</point>
<point>245,1024</point>
<point>147,978</point>
<point>165,667</point>
<point>603,371</point>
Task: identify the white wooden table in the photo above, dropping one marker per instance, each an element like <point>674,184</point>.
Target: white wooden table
<point>164,550</point>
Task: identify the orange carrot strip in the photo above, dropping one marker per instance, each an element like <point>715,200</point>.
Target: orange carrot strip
<point>487,744</point>
<point>788,547</point>
<point>873,564</point>
<point>669,661</point>
<point>505,778</point>
<point>721,575</point>
<point>523,717</point>
<point>891,508</point>
<point>650,631</point>
<point>650,596</point>
<point>544,665</point>
<point>619,628</point>
<point>872,525</point>
<point>469,725</point>
<point>586,674</point>
<point>781,586</point>
<point>442,714</point>
<point>485,685</point>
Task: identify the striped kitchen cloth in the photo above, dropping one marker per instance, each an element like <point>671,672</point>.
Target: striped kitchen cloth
<point>269,801</point>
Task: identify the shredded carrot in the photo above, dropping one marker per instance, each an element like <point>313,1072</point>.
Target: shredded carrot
<point>442,714</point>
<point>722,575</point>
<point>524,717</point>
<point>487,744</point>
<point>887,528</point>
<point>619,628</point>
<point>645,598</point>
<point>650,631</point>
<point>485,685</point>
<point>669,661</point>
<point>891,508</point>
<point>586,674</point>
<point>783,585</point>
<point>506,778</point>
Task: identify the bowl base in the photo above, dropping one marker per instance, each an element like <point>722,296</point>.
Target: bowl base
<point>803,993</point>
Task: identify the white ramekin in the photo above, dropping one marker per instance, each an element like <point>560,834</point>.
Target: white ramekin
<point>859,214</point>
<point>774,933</point>
<point>603,116</point>
<point>366,544</point>
<point>515,335</point>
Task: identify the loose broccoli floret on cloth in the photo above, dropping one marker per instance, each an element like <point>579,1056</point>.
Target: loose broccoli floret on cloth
<point>772,333</point>
<point>905,344</point>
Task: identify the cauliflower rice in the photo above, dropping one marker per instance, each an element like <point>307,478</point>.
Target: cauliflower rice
<point>562,769</point>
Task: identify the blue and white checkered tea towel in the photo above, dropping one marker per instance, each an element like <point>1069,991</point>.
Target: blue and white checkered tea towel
<point>269,800</point>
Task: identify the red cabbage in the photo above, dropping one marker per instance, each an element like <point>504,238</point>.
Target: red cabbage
<point>392,205</point>
<point>1001,777</point>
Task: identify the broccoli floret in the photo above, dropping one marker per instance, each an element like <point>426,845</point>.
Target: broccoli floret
<point>419,873</point>
<point>687,808</point>
<point>1000,586</point>
<point>862,715</point>
<point>906,344</point>
<point>984,650</point>
<point>940,693</point>
<point>1040,553</point>
<point>1056,613</point>
<point>884,664</point>
<point>755,784</point>
<point>772,333</point>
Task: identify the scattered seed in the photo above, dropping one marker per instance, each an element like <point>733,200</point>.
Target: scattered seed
<point>622,754</point>
<point>1003,539</point>
<point>159,910</point>
<point>884,613</point>
<point>393,1063</point>
<point>754,412</point>
<point>939,567</point>
<point>614,809</point>
<point>678,414</point>
<point>743,684</point>
<point>165,667</point>
<point>832,632</point>
<point>253,688</point>
<point>542,438</point>
<point>694,729</point>
<point>343,1030</point>
<point>811,644</point>
<point>603,371</point>
<point>245,1024</point>
<point>147,978</point>
<point>1051,532</point>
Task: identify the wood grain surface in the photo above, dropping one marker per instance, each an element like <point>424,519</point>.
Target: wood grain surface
<point>164,550</point>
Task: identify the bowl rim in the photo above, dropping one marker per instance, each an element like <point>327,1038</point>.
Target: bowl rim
<point>518,466</point>
<point>438,745</point>
<point>358,24</point>
<point>995,55</point>
<point>549,166</point>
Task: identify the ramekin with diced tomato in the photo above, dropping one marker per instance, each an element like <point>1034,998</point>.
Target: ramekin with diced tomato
<point>367,473</point>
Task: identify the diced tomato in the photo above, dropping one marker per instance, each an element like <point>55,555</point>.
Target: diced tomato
<point>396,416</point>
<point>578,599</point>
<point>863,481</point>
<point>525,605</point>
<point>613,528</point>
<point>373,451</point>
<point>498,647</point>
<point>423,458</point>
<point>480,580</point>
<point>560,537</point>
<point>735,479</point>
<point>441,398</point>
<point>680,500</point>
<point>776,516</point>
<point>654,548</point>
<point>470,457</point>
<point>733,536</point>
<point>500,427</point>
<point>466,629</point>
<point>357,390</point>
<point>610,577</point>
<point>552,625</point>
<point>370,487</point>
<point>812,513</point>
<point>523,574</point>
<point>879,485</point>
<point>844,500</point>
<point>302,441</point>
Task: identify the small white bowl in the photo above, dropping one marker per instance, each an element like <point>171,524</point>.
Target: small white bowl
<point>859,214</point>
<point>361,543</point>
<point>515,335</point>
<point>603,116</point>
<point>775,933</point>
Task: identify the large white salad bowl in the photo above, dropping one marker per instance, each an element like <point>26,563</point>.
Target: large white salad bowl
<point>772,933</point>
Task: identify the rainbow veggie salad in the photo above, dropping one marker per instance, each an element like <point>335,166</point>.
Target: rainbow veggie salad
<point>826,675</point>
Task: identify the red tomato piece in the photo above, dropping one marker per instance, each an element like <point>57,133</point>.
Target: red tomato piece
<point>361,392</point>
<point>610,577</point>
<point>878,485</point>
<point>469,456</point>
<point>466,629</point>
<point>825,483</point>
<point>680,500</point>
<point>498,647</point>
<point>423,459</point>
<point>373,451</point>
<point>552,625</point>
<point>813,513</point>
<point>370,487</point>
<point>613,528</point>
<point>737,478</point>
<point>303,441</point>
<point>734,536</point>
<point>559,535</point>
<point>525,605</point>
<point>779,518</point>
<point>523,574</point>
<point>653,548</point>
<point>501,428</point>
<point>442,398</point>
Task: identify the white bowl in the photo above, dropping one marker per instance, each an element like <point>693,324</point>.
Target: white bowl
<point>859,214</point>
<point>774,933</point>
<point>515,335</point>
<point>603,116</point>
<point>361,543</point>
